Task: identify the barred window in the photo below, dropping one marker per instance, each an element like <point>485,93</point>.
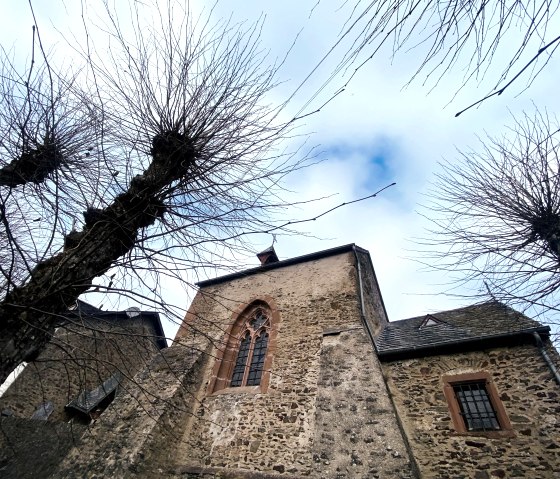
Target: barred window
<point>475,406</point>
<point>477,410</point>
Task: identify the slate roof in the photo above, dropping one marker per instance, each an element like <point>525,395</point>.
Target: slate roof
<point>86,311</point>
<point>473,327</point>
<point>87,401</point>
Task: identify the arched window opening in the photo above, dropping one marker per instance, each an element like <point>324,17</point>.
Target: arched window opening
<point>244,360</point>
<point>252,351</point>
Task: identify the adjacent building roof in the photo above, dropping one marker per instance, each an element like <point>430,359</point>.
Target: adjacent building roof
<point>87,311</point>
<point>473,327</point>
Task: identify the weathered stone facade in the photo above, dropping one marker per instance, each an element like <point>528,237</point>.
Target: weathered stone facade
<point>83,353</point>
<point>343,394</point>
<point>138,435</point>
<point>89,348</point>
<point>326,412</point>
<point>527,391</point>
<point>31,449</point>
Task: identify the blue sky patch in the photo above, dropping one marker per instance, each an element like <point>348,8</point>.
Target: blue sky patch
<point>375,161</point>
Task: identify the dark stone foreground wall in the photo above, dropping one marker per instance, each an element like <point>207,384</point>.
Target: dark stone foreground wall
<point>31,449</point>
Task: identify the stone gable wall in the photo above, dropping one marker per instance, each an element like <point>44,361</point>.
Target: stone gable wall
<point>527,391</point>
<point>323,406</point>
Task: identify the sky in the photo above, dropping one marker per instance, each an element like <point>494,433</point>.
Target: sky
<point>379,130</point>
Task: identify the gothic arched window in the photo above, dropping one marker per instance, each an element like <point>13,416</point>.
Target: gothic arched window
<point>253,343</point>
<point>245,358</point>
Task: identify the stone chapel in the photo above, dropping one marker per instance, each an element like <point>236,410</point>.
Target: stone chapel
<point>292,370</point>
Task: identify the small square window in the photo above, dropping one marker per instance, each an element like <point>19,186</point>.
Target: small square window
<point>475,405</point>
<point>477,410</point>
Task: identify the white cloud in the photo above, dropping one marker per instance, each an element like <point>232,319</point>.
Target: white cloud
<point>373,112</point>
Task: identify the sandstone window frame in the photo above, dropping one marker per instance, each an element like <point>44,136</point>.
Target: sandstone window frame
<point>481,377</point>
<point>228,348</point>
<point>251,353</point>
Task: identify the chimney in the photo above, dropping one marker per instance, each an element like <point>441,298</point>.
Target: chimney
<point>268,256</point>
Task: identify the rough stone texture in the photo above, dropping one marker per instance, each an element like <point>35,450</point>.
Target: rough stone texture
<point>530,397</point>
<point>31,449</point>
<point>304,414</point>
<point>327,412</point>
<point>355,428</point>
<point>374,309</point>
<point>138,434</point>
<point>80,356</point>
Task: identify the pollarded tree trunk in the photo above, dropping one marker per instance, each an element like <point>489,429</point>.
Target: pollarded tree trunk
<point>30,313</point>
<point>34,165</point>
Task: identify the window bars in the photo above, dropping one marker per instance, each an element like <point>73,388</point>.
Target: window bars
<point>477,410</point>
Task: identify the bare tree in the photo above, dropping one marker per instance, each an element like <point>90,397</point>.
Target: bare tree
<point>160,149</point>
<point>497,216</point>
<point>511,39</point>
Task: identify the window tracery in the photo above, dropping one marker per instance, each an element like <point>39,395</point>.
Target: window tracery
<point>244,361</point>
<point>251,354</point>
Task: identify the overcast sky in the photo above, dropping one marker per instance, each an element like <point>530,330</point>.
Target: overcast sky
<point>376,132</point>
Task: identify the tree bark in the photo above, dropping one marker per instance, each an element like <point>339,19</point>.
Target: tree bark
<point>30,313</point>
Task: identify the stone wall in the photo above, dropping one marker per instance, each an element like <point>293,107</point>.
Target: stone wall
<point>356,433</point>
<point>31,449</point>
<point>137,436</point>
<point>80,357</point>
<point>374,309</point>
<point>527,391</point>
<point>326,412</point>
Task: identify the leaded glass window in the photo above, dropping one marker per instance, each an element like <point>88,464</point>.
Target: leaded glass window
<point>249,364</point>
<point>477,410</point>
<point>257,362</point>
<point>241,362</point>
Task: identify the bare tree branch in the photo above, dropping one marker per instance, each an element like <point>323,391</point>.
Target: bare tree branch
<point>184,157</point>
<point>498,38</point>
<point>496,216</point>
